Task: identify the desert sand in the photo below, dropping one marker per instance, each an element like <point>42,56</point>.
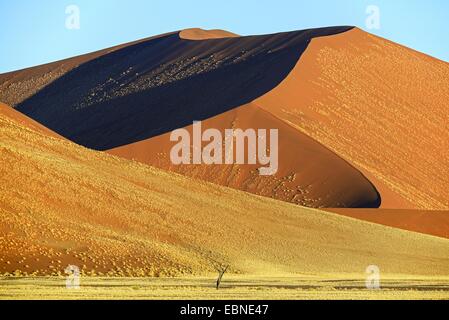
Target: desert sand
<point>347,139</point>
<point>146,89</point>
<point>234,287</point>
<point>375,126</point>
<point>9,113</point>
<point>309,80</point>
<point>200,34</point>
<point>434,223</point>
<point>309,174</point>
<point>65,204</point>
<point>378,105</point>
<point>161,84</point>
<point>363,123</point>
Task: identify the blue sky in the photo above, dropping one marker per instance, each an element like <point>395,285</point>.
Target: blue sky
<point>33,32</point>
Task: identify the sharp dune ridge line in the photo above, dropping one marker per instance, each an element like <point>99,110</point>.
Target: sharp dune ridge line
<point>200,34</point>
<point>61,203</point>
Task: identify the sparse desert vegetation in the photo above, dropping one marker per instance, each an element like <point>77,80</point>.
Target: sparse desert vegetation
<point>233,288</point>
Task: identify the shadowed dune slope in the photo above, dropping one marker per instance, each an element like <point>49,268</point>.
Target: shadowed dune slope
<point>382,107</point>
<point>61,203</point>
<point>308,174</point>
<point>17,86</point>
<point>428,222</point>
<point>152,87</point>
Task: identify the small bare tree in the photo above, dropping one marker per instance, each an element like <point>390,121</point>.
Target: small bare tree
<point>217,262</point>
<point>221,272</point>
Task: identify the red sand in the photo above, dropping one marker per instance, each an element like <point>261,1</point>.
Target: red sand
<point>434,223</point>
<point>308,175</point>
<point>200,34</point>
<point>378,105</point>
<point>367,100</point>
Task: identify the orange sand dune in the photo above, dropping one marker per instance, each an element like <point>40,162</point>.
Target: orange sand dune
<point>428,222</point>
<point>200,34</point>
<point>161,84</point>
<point>380,106</point>
<point>148,89</point>
<point>308,175</point>
<point>63,204</point>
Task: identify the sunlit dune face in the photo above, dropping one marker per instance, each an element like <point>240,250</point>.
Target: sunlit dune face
<point>380,106</point>
<point>200,34</point>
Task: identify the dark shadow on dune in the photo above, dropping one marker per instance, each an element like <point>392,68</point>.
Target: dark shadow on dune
<point>156,86</point>
<point>377,202</point>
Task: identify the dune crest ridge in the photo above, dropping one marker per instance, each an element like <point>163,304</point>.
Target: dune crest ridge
<point>201,34</point>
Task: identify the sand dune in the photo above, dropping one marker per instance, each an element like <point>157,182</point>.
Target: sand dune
<point>61,203</point>
<point>148,89</point>
<point>200,34</point>
<point>162,84</point>
<point>308,175</point>
<point>380,106</point>
<point>434,223</point>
